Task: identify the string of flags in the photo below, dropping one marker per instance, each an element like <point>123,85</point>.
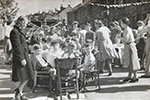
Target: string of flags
<point>119,5</point>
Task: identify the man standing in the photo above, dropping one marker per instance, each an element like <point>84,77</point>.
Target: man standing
<point>21,64</point>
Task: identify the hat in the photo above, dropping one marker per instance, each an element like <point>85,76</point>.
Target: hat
<point>75,22</point>
<point>36,47</point>
<point>116,22</point>
<point>88,24</point>
<point>98,21</point>
<point>140,22</point>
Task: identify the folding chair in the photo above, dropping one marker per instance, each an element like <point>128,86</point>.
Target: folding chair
<point>67,83</point>
<point>42,76</point>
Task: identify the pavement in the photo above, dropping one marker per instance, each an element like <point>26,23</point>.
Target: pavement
<point>111,88</point>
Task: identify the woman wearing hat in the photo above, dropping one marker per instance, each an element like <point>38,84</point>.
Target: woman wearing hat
<point>21,67</point>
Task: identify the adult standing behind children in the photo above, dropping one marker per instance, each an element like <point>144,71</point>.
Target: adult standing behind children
<point>130,51</point>
<point>146,29</point>
<point>21,64</point>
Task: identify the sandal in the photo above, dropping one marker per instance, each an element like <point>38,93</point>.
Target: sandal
<point>17,94</point>
<point>22,97</point>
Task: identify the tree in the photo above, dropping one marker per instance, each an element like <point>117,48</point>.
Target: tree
<point>8,10</point>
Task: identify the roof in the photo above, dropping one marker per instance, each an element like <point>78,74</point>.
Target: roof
<point>78,6</point>
<point>69,8</point>
<point>109,6</point>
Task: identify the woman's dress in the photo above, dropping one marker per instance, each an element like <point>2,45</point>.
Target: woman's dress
<point>130,57</point>
<point>107,49</point>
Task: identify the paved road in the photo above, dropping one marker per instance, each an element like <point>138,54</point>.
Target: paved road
<point>7,87</point>
<point>111,89</point>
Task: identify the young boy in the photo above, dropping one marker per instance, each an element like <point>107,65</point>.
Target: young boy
<point>89,62</point>
<point>89,59</point>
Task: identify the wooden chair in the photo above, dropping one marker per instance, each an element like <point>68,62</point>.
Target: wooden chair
<point>42,76</point>
<point>42,79</point>
<point>67,83</point>
<point>92,74</point>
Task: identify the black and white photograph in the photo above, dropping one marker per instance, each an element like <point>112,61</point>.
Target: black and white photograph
<point>74,49</point>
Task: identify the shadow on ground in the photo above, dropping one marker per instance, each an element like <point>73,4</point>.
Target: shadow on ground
<point>124,89</point>
<point>111,80</point>
<point>7,98</point>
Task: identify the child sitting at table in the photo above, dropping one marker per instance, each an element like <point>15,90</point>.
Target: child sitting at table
<point>53,52</point>
<point>36,58</point>
<point>71,52</point>
<point>40,64</point>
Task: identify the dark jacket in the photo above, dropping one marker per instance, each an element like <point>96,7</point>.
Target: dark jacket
<point>20,52</point>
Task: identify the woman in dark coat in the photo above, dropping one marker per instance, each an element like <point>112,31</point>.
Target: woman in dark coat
<point>21,64</point>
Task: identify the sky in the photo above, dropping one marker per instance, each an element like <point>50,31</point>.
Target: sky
<point>32,6</point>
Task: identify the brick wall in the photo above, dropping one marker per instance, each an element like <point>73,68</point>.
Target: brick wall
<point>89,12</point>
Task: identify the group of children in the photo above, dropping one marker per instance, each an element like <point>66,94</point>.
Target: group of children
<point>44,58</point>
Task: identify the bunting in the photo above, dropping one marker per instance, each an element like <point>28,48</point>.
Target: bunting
<point>119,5</point>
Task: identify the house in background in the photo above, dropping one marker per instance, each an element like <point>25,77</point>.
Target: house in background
<point>109,10</point>
<point>50,17</point>
<point>62,15</point>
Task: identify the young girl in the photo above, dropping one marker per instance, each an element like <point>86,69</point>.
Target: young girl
<point>70,52</point>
